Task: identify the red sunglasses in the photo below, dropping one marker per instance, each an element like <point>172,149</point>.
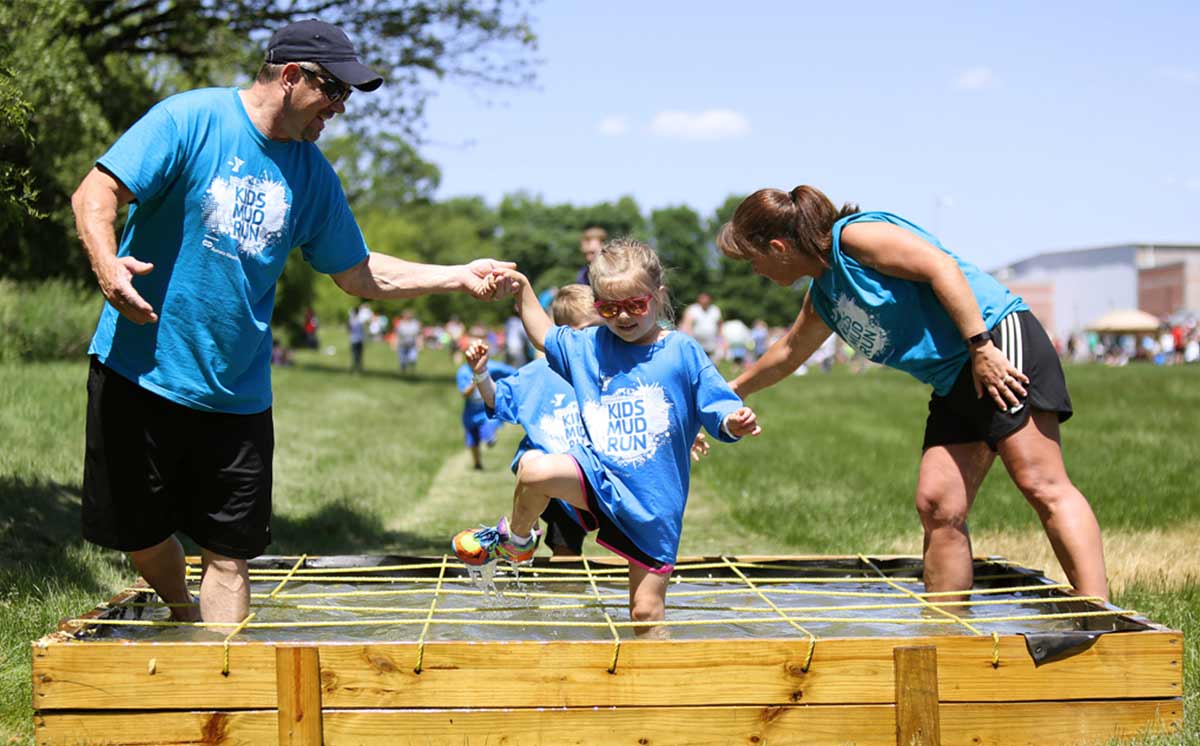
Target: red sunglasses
<point>638,305</point>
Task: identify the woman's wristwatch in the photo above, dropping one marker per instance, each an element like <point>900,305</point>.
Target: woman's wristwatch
<point>975,340</point>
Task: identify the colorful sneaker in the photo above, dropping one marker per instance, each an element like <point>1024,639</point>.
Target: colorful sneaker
<point>479,546</point>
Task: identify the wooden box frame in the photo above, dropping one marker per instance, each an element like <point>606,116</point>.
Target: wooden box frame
<point>980,691</point>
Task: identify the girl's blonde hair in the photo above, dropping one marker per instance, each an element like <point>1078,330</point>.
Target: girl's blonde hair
<point>623,261</point>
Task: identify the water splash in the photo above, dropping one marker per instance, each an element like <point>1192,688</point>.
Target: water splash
<point>517,584</point>
<point>483,577</point>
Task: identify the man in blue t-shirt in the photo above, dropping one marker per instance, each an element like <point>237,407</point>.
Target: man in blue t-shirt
<point>221,185</point>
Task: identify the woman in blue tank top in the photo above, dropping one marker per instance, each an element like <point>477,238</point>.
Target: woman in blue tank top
<point>901,299</point>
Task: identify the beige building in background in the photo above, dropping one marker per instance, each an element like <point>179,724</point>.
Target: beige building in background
<point>1069,289</point>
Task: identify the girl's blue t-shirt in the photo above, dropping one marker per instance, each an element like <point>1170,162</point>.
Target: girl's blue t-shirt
<point>641,406</point>
<point>217,209</point>
<point>901,323</point>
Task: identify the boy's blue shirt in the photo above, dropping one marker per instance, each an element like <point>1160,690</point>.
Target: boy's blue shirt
<point>641,406</point>
<point>217,209</point>
<point>541,402</point>
<point>474,411</point>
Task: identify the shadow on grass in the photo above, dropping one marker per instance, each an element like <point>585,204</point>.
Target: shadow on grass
<point>339,528</point>
<point>38,521</point>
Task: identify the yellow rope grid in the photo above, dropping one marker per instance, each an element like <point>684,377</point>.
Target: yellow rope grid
<point>995,636</point>
<point>940,610</point>
<point>613,599</point>
<point>612,666</point>
<point>812,639</point>
<point>429,617</point>
<point>288,577</point>
<point>225,643</point>
<point>566,575</point>
<point>598,600</point>
<point>618,570</point>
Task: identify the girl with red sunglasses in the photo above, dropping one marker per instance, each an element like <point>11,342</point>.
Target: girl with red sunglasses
<point>644,392</point>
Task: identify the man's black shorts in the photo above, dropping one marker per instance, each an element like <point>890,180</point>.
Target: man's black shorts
<point>963,417</point>
<point>153,467</point>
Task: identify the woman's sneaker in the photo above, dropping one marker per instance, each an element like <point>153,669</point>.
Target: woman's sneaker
<point>479,546</point>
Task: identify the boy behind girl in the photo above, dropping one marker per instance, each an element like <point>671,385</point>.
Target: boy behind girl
<point>544,404</point>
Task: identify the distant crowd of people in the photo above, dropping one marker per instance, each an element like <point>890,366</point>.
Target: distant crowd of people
<point>731,340</point>
<point>1174,344</point>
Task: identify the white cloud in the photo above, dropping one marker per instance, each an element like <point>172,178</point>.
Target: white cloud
<point>614,125</point>
<point>712,124</point>
<point>1181,75</point>
<point>975,79</point>
<point>1186,183</point>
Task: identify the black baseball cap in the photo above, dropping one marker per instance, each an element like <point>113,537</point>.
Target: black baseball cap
<point>325,44</point>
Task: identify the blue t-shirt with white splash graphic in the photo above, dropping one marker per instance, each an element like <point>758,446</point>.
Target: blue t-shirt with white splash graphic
<point>474,410</point>
<point>217,209</point>
<point>641,406</point>
<point>901,323</point>
<point>543,403</point>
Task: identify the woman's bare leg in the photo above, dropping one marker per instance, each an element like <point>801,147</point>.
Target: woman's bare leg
<point>946,486</point>
<point>1033,457</point>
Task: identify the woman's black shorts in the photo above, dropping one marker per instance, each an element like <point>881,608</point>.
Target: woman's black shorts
<point>153,467</point>
<point>963,417</point>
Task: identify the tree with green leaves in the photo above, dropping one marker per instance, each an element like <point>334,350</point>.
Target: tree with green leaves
<point>17,193</point>
<point>90,68</point>
<point>685,251</point>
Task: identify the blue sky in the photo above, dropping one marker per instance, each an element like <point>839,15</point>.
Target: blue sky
<point>1006,128</point>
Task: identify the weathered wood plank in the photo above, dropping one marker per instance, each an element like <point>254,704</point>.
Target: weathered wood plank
<point>298,689</point>
<point>987,724</point>
<point>109,675</point>
<point>917,696</point>
<point>207,728</point>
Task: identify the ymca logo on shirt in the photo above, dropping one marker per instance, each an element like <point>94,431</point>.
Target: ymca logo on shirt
<point>563,427</point>
<point>248,210</point>
<point>629,424</point>
<point>860,330</point>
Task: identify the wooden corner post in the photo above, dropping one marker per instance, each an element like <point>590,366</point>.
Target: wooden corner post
<point>917,721</point>
<point>298,688</point>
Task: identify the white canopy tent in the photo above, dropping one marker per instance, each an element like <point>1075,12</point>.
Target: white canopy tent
<point>1125,321</point>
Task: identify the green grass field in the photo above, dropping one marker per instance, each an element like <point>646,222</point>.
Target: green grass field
<point>374,463</point>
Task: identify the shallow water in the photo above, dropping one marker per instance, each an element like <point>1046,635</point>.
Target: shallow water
<point>539,605</point>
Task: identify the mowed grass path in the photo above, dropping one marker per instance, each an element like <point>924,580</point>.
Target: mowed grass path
<point>374,463</point>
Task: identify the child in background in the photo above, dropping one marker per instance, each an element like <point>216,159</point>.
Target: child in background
<point>408,339</point>
<point>479,427</point>
<point>643,393</point>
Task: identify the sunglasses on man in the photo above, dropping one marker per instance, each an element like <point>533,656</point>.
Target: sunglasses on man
<point>334,90</point>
